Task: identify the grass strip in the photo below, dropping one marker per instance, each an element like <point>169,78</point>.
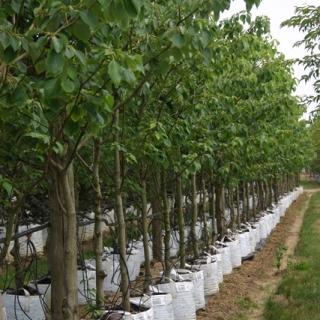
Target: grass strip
<point>308,184</point>
<point>297,296</point>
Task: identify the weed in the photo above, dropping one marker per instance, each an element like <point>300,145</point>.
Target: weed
<point>301,266</point>
<point>247,303</point>
<point>281,249</point>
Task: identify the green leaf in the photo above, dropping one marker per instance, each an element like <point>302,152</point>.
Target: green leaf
<point>161,158</point>
<point>51,88</point>
<point>73,127</point>
<point>115,72</point>
<point>207,53</point>
<point>167,143</point>
<point>81,56</point>
<point>56,44</point>
<point>15,43</point>
<point>10,55</point>
<point>131,63</point>
<point>40,66</point>
<point>89,18</point>
<point>179,40</point>
<point>94,115</point>
<point>68,85</point>
<point>19,96</point>
<point>55,62</point>
<point>128,76</point>
<point>130,8</point>
<point>82,31</point>
<point>5,40</point>
<point>8,187</point>
<point>205,38</point>
<point>110,101</point>
<point>77,113</point>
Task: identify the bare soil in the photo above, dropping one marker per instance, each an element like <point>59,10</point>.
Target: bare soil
<point>243,293</point>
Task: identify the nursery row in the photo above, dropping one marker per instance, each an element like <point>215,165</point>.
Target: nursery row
<point>178,296</point>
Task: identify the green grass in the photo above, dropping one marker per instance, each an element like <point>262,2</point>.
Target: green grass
<point>297,296</point>
<point>31,269</point>
<point>308,184</point>
<point>247,303</point>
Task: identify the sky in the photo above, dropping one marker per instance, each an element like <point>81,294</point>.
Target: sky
<point>278,11</point>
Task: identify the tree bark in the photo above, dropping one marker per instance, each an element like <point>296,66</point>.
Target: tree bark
<point>194,215</point>
<point>120,218</point>
<point>166,214</point>
<point>98,235</point>
<point>253,193</point>
<point>203,212</point>
<point>212,208</point>
<point>145,235</point>
<point>238,208</point>
<point>181,223</point>
<point>63,242</point>
<point>157,221</point>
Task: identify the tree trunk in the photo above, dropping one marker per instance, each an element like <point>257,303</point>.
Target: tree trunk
<point>15,252</point>
<point>244,203</point>
<point>220,209</point>
<point>166,214</point>
<point>63,242</point>
<point>157,220</point>
<point>98,235</point>
<point>254,208</point>
<point>212,208</point>
<point>247,186</point>
<point>203,212</point>
<point>181,223</point>
<point>145,235</point>
<point>275,190</point>
<point>120,219</point>
<point>10,228</point>
<point>238,208</point>
<point>231,207</point>
<point>194,215</point>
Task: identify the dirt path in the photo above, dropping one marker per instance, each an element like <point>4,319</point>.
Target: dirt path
<point>290,243</point>
<point>243,293</point>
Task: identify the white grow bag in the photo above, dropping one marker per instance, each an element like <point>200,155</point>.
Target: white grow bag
<point>235,252</point>
<point>197,279</point>
<point>162,306</point>
<point>23,307</point>
<point>209,266</point>
<point>145,302</point>
<point>132,262</point>
<point>183,298</point>
<point>112,281</point>
<point>139,246</point>
<point>159,304</point>
<point>124,315</point>
<point>225,258</point>
<point>244,240</point>
<point>263,228</point>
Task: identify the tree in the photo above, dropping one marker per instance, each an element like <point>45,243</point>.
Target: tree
<point>306,19</point>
